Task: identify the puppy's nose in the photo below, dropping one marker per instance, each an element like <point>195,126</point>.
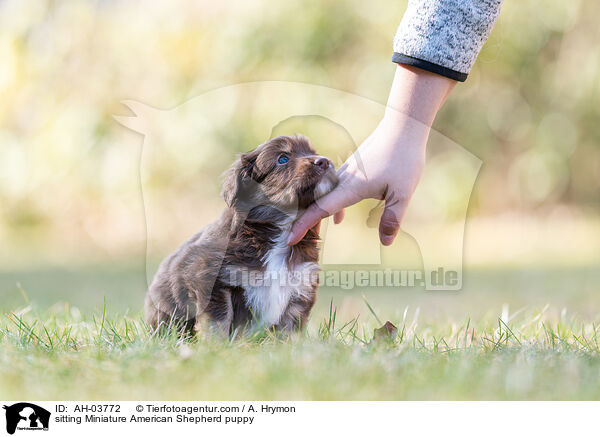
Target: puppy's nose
<point>322,162</point>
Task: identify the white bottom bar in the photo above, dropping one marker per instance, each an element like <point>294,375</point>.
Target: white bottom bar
<point>296,418</point>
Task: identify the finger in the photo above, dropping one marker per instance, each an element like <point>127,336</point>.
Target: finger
<point>389,225</point>
<point>317,228</point>
<point>313,215</point>
<point>338,217</point>
<point>327,205</point>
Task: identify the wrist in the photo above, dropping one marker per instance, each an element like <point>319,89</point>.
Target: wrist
<point>417,94</point>
<point>403,127</point>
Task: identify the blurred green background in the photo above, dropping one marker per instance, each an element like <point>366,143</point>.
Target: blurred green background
<point>72,219</point>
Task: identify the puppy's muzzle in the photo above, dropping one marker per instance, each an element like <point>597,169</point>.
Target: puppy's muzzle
<point>329,178</point>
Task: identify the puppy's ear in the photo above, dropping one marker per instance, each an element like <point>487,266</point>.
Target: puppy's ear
<point>238,180</point>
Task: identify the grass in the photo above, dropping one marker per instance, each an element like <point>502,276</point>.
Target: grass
<point>63,353</point>
<point>77,333</point>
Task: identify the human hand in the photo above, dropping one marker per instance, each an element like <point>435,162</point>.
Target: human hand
<point>388,165</point>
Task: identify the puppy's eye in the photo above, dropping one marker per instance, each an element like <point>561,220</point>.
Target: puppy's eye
<point>283,159</point>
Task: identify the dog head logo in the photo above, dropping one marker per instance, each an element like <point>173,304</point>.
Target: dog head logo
<point>25,416</point>
<point>190,138</point>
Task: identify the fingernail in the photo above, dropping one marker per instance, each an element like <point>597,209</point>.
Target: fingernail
<point>289,240</point>
<point>387,239</point>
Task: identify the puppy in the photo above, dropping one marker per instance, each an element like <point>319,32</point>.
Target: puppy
<point>239,270</point>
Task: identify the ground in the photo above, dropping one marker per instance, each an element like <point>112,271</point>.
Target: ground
<point>510,334</point>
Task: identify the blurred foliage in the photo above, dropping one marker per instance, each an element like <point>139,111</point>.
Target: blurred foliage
<point>69,174</point>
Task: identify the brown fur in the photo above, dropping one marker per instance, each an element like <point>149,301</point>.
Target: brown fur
<point>262,198</point>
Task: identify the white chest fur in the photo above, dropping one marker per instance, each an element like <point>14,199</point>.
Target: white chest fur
<point>271,292</point>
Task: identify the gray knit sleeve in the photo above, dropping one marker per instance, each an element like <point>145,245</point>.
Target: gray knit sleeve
<point>444,36</point>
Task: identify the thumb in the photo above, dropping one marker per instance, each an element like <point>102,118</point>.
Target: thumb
<point>327,205</point>
<point>389,224</point>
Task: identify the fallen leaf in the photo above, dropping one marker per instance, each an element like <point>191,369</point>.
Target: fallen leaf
<point>388,330</point>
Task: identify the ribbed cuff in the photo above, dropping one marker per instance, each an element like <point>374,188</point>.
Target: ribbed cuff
<point>399,58</point>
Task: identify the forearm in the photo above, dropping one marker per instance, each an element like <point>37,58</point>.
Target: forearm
<point>418,94</point>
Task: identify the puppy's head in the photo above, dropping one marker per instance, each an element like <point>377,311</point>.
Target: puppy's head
<point>285,172</point>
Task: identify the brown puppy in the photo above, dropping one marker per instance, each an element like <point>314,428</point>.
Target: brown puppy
<point>239,269</point>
